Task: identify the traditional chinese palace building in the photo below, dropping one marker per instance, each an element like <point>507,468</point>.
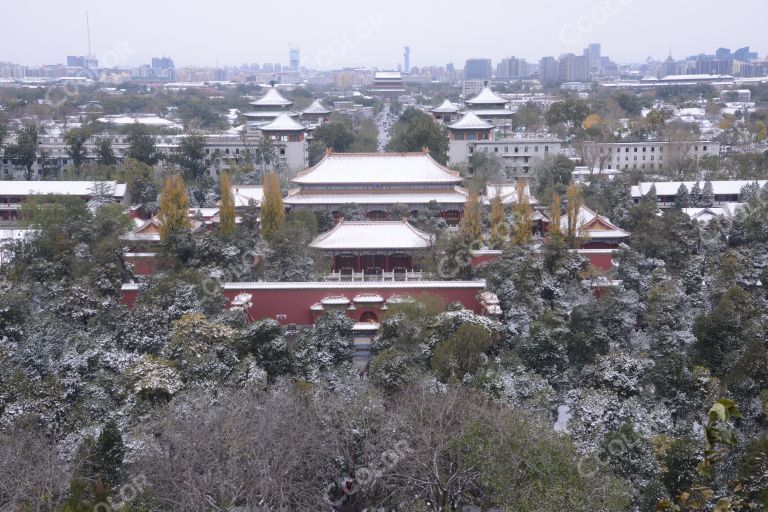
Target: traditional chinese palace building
<point>446,112</point>
<point>316,114</point>
<point>364,250</point>
<point>376,182</point>
<point>491,107</point>
<point>268,108</point>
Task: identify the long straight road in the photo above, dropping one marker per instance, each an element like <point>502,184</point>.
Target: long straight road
<point>384,121</point>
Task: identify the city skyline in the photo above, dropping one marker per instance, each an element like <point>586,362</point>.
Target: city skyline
<point>330,38</point>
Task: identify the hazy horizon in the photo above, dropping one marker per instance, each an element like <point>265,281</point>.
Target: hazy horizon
<point>329,36</point>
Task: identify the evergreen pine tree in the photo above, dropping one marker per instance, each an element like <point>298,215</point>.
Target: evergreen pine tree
<point>682,198</point>
<point>750,191</point>
<point>707,196</point>
<point>109,454</point>
<point>272,209</point>
<point>227,207</point>
<point>174,206</point>
<point>695,200</point>
<point>651,195</point>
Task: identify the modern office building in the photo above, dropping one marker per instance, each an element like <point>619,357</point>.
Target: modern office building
<point>478,69</point>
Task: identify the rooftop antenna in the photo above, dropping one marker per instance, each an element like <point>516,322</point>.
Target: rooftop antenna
<point>88,30</point>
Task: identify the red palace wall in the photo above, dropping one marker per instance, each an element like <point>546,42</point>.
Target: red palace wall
<point>291,305</point>
<point>600,255</point>
<point>142,265</point>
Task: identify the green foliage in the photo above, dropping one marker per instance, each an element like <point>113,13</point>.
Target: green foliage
<point>190,156</point>
<point>416,130</point>
<point>462,354</point>
<point>105,154</point>
<point>528,468</point>
<point>141,145</point>
<point>24,151</point>
<point>75,139</point>
<point>571,111</point>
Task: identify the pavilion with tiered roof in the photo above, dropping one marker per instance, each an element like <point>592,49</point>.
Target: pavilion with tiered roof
<point>269,107</point>
<point>376,182</point>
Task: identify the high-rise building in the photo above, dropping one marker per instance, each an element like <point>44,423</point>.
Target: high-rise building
<point>548,70</point>
<point>277,67</point>
<point>511,68</point>
<point>162,63</point>
<point>478,69</point>
<point>723,53</point>
<point>267,67</point>
<point>581,68</point>
<point>744,55</point>
<point>592,53</point>
<point>293,58</point>
<point>75,61</point>
<point>407,59</point>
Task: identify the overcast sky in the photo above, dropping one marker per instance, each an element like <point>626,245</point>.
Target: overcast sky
<point>334,33</point>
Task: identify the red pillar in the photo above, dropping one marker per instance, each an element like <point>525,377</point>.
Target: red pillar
<point>357,257</point>
<point>386,263</point>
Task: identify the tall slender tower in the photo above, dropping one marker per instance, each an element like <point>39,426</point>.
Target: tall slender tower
<point>407,59</point>
<point>293,58</point>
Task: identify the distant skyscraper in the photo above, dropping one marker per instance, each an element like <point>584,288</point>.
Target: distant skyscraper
<point>277,67</point>
<point>744,55</point>
<point>407,59</point>
<point>478,69</point>
<point>75,61</point>
<point>548,70</point>
<point>723,53</point>
<point>293,58</point>
<point>162,63</point>
<point>511,68</point>
<point>267,67</point>
<point>592,52</point>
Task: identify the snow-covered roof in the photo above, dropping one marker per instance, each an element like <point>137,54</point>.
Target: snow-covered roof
<point>148,231</point>
<point>493,112</point>
<point>336,300</point>
<point>486,97</point>
<point>268,114</point>
<point>244,193</point>
<point>283,123</point>
<point>398,235</point>
<point>316,108</point>
<point>272,98</point>
<point>470,121</point>
<point>456,195</point>
<point>593,226</point>
<point>368,298</point>
<point>371,168</point>
<point>669,188</point>
<point>149,120</point>
<point>341,285</point>
<point>365,326</point>
<point>703,214</point>
<point>70,188</point>
<point>508,193</point>
<point>445,107</point>
<point>387,75</point>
